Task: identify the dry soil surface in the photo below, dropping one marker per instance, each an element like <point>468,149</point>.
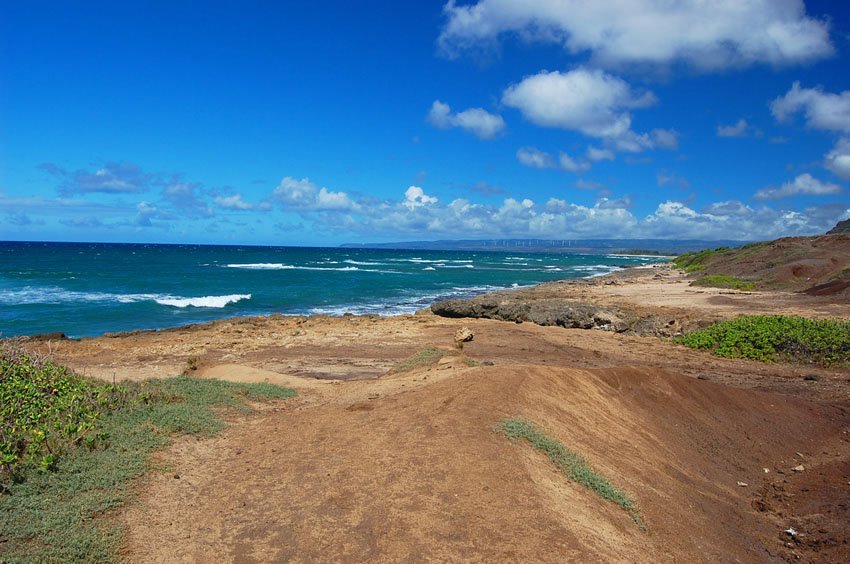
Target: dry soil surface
<point>371,464</point>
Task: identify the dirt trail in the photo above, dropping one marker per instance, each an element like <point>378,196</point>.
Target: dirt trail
<point>409,468</point>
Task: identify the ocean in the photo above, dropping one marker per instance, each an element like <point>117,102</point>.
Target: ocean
<point>85,289</point>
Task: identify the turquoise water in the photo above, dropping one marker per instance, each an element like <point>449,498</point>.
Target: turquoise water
<point>85,289</point>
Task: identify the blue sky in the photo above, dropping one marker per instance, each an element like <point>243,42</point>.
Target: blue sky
<point>327,122</point>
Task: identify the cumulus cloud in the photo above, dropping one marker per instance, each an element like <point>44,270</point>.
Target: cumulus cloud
<point>838,159</point>
<point>415,197</point>
<point>823,110</point>
<point>415,213</point>
<point>146,212</point>
<point>305,195</point>
<point>477,121</point>
<point>705,35</point>
<point>111,178</point>
<point>804,184</point>
<point>591,102</point>
<point>236,203</point>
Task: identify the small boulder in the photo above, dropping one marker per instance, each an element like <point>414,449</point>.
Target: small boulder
<point>463,335</point>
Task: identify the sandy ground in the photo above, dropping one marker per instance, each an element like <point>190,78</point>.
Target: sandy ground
<point>370,465</point>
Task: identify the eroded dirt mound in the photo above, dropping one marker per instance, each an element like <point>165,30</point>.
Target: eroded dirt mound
<point>791,263</point>
<point>409,468</point>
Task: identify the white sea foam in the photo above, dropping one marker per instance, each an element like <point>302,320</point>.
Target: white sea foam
<point>55,295</point>
<point>429,268</point>
<point>262,266</point>
<point>206,301</point>
<point>364,263</point>
<point>455,266</point>
<point>280,266</point>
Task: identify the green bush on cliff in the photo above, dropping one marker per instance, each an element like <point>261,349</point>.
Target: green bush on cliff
<point>724,281</point>
<point>775,337</point>
<point>694,262</point>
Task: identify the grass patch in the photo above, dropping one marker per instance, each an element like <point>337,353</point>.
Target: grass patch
<point>48,512</point>
<point>725,281</point>
<point>426,357</point>
<point>776,337</point>
<point>571,464</point>
<point>841,275</point>
<point>694,262</point>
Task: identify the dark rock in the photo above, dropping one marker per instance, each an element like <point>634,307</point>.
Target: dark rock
<point>48,337</point>
<point>556,312</point>
<point>840,227</point>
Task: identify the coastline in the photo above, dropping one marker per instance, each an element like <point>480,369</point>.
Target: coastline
<point>394,409</point>
<point>660,294</point>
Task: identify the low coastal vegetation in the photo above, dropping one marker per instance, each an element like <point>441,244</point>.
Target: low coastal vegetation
<point>694,262</point>
<point>70,446</point>
<point>724,281</point>
<point>571,464</point>
<point>776,337</point>
<point>428,356</point>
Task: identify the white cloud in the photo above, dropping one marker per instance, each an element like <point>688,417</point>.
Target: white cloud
<point>595,154</point>
<point>572,165</point>
<point>823,110</point>
<point>416,214</point>
<point>707,35</point>
<point>415,197</point>
<point>590,101</point>
<point>804,184</point>
<point>111,178</point>
<point>478,121</point>
<point>838,159</point>
<point>236,203</point>
<point>535,158</point>
<point>304,194</point>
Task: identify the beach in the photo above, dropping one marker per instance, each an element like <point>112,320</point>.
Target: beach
<point>374,462</point>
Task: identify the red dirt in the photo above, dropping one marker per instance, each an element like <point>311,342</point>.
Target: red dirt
<point>791,263</point>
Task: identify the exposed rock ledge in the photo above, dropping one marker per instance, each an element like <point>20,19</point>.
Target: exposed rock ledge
<point>559,312</point>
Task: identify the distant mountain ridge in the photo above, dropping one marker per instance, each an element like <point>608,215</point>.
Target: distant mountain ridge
<point>602,246</point>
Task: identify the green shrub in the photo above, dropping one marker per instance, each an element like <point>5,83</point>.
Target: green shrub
<point>775,337</point>
<point>100,437</point>
<point>724,281</point>
<point>44,410</point>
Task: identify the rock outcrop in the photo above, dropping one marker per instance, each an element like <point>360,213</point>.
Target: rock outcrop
<point>560,313</point>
